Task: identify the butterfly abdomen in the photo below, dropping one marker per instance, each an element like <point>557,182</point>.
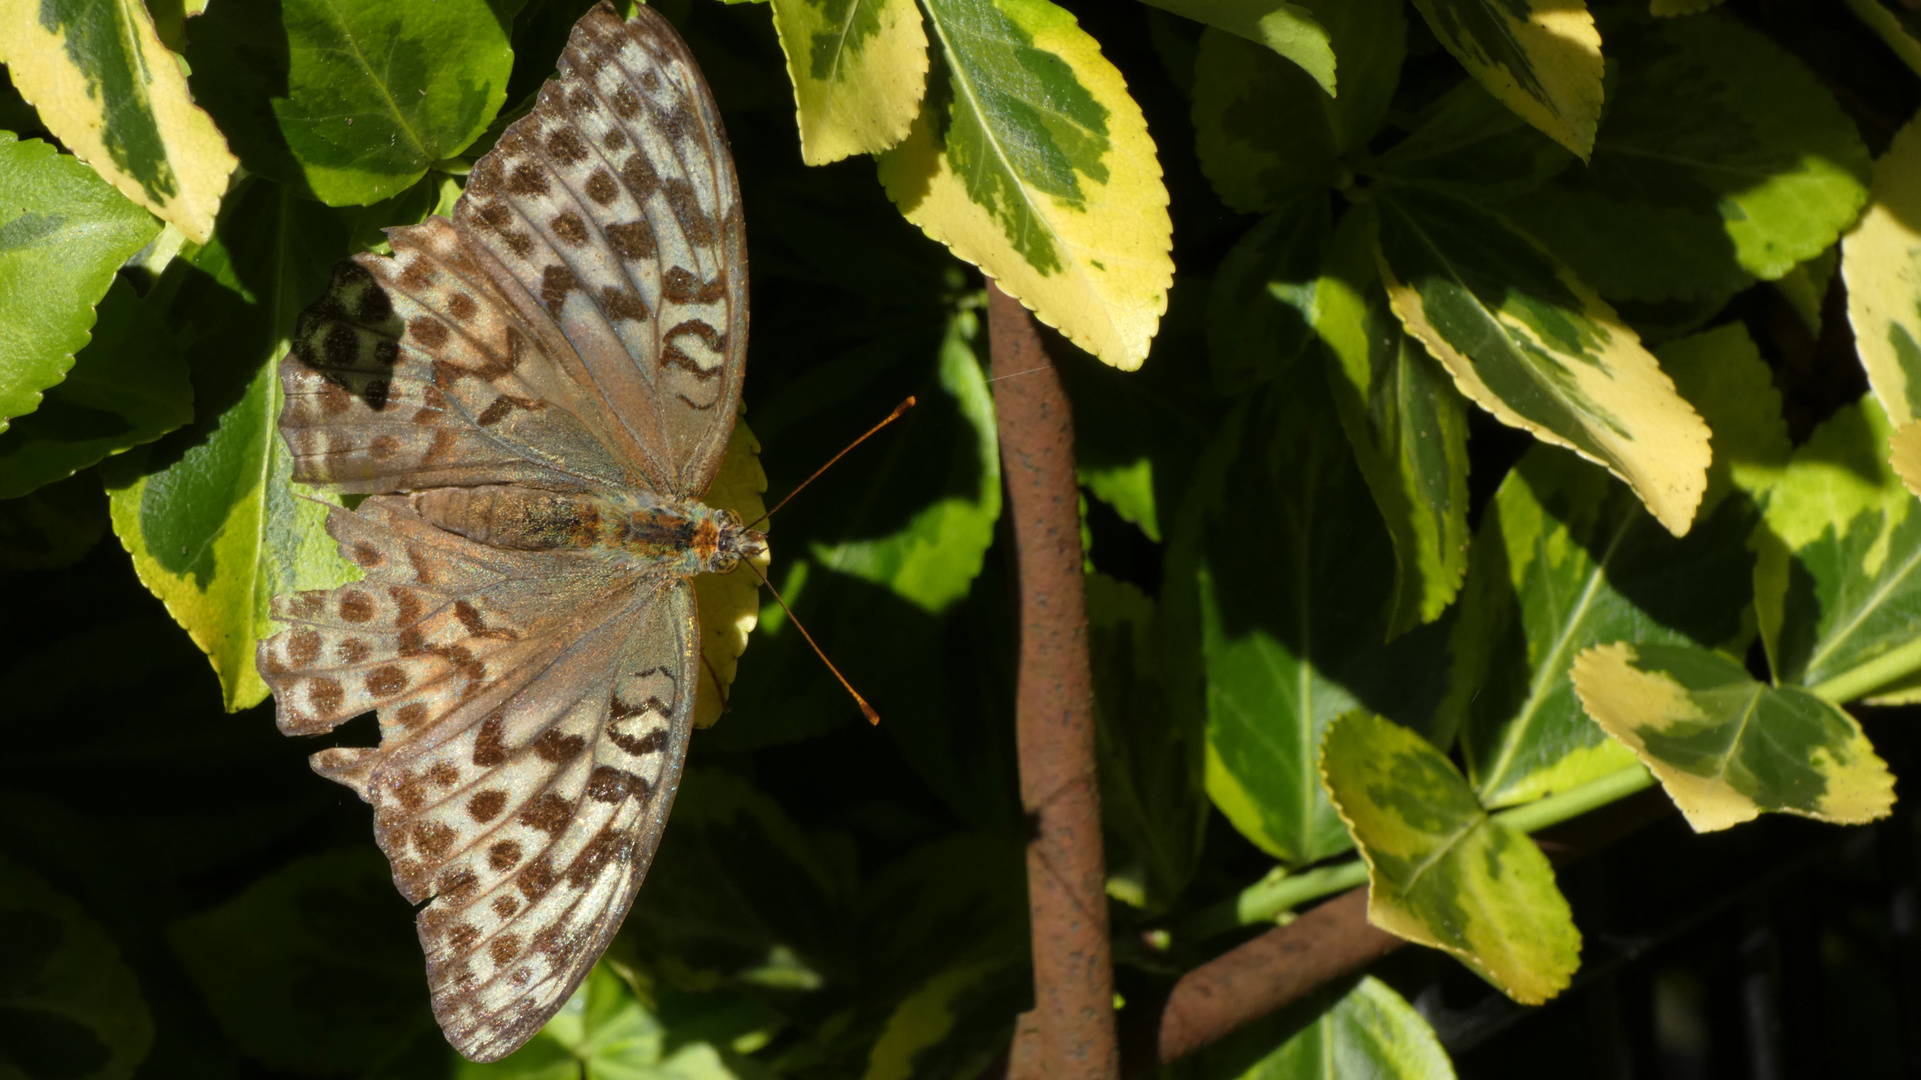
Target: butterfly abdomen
<point>517,518</point>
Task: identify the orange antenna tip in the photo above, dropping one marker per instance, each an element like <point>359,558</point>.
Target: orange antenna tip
<point>865,709</point>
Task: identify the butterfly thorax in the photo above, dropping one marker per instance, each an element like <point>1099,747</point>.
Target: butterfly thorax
<point>682,536</point>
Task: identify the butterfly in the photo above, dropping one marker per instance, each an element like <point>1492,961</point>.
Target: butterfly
<point>534,396</point>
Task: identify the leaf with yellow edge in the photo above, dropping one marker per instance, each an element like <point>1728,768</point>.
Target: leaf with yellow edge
<point>1542,58</point>
<point>729,604</point>
<point>105,85</point>
<point>1905,455</point>
<point>1531,344</point>
<point>859,68</point>
<point>1030,160</point>
<point>1728,748</point>
<point>1881,260</point>
<point>1289,29</point>
<point>1440,871</point>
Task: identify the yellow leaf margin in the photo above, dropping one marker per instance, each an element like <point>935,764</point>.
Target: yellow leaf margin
<point>1557,83</point>
<point>1881,261</point>
<point>867,99</point>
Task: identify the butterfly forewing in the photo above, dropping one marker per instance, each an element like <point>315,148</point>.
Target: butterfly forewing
<point>613,206</point>
<point>578,329</point>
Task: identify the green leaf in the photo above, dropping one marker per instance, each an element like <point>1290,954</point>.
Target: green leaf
<point>69,1001</point>
<point>1838,575</point>
<point>606,1032</point>
<point>63,233</point>
<point>1355,1027</point>
<point>1805,287</point>
<point>954,1025</point>
<point>1728,748</point>
<point>1881,262</point>
<point>1405,422</point>
<point>1258,304</point>
<point>351,100</point>
<point>1469,144</point>
<point>1266,132</point>
<point>859,69</point>
<point>1289,29</point>
<point>1292,571</point>
<point>208,513</point>
<point>1129,489</point>
<point>1897,24</point>
<point>1537,348</point>
<point>127,387</point>
<point>1761,171</point>
<point>1030,160</point>
<point>1441,872</point>
<point>314,967</point>
<point>1566,560</point>
<point>933,560</point>
<point>112,93</point>
<point>1541,58</point>
<point>1152,799</point>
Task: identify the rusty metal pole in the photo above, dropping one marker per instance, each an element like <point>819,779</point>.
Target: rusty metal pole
<point>1066,878</point>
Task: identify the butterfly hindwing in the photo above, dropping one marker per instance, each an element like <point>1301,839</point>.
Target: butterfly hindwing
<point>614,207</point>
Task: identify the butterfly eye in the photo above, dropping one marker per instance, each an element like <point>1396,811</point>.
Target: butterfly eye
<point>725,562</point>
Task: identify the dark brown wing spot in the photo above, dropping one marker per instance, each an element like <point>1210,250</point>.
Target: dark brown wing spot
<point>555,283</point>
<point>504,856</point>
<point>681,286</point>
<point>411,792</point>
<point>565,146</point>
<point>406,605</point>
<point>496,412</point>
<point>461,306</point>
<point>334,400</point>
<point>487,805</point>
<point>571,230</point>
<point>366,554</point>
<point>549,813</point>
<point>601,187</point>
<point>430,332</point>
<point>518,242</point>
<point>462,937</point>
<point>583,101</point>
<point>527,180</point>
<point>433,839</point>
<point>505,905</point>
<point>488,748</point>
<point>469,617</point>
<point>325,695</point>
<point>356,606</point>
<point>444,774</point>
<point>382,448</point>
<point>651,743</point>
<point>632,240</point>
<point>615,140</point>
<point>504,948</point>
<point>458,885</point>
<point>410,714</point>
<point>622,302</point>
<point>626,105</point>
<point>557,747</point>
<point>693,220</point>
<point>607,846</point>
<point>642,179</point>
<point>610,785</point>
<point>303,648</point>
<point>538,877</point>
<point>353,650</point>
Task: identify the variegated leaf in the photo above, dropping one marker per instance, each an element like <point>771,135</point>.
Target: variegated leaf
<point>1881,262</point>
<point>1540,57</point>
<point>859,69</point>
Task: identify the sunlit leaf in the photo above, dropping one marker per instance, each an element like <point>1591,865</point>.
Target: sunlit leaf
<point>1353,1028</point>
<point>1441,872</point>
<point>70,1004</point>
<point>1534,346</point>
<point>859,68</point>
<point>127,387</point>
<point>350,100</point>
<point>1289,29</point>
<point>605,1032</point>
<point>1542,58</point>
<point>1293,572</point>
<point>1726,747</point>
<point>1030,160</point>
<point>1881,262</point>
<point>1567,559</point>
<point>1837,581</point>
<point>112,93</point>
<point>1761,170</point>
<point>63,233</point>
<point>1266,132</point>
<point>1405,421</point>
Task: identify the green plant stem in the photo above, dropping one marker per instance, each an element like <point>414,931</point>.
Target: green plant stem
<point>1262,901</point>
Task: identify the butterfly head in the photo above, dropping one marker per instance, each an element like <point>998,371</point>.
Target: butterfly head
<point>734,541</point>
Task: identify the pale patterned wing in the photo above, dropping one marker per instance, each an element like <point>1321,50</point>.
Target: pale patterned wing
<point>613,208</point>
<point>534,716</point>
<point>414,372</point>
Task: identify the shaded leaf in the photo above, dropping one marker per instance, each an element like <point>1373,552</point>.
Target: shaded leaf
<point>1287,28</point>
<point>1528,342</point>
<point>1881,262</point>
<point>1567,559</point>
<point>71,1008</point>
<point>1352,1028</point>
<point>1258,304</point>
<point>1292,573</point>
<point>954,1025</point>
<point>1266,132</point>
<point>1898,25</point>
<point>859,69</point>
<point>1760,171</point>
<point>63,233</point>
<point>350,100</point>
<point>112,93</point>
<point>1542,58</point>
<point>1030,160</point>
<point>1727,748</point>
<point>128,386</point>
<point>1406,424</point>
<point>1837,580</point>
<point>1470,144</point>
<point>1441,872</point>
<point>1805,287</point>
<point>53,526</point>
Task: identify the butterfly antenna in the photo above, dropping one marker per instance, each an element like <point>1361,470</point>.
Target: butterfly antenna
<point>865,709</point>
<point>891,417</point>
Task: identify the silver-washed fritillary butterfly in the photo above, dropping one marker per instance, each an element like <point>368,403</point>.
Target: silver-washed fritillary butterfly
<point>535,396</point>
